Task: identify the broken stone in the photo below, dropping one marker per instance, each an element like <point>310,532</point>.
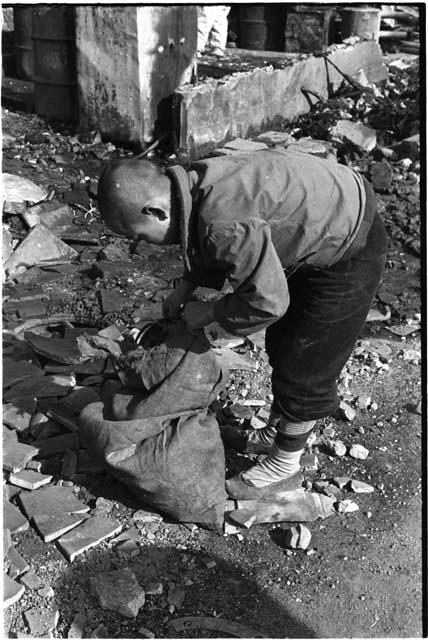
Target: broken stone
<point>309,461</point>
<point>58,444</point>
<point>129,534</point>
<point>381,176</point>
<point>364,401</point>
<point>15,371</point>
<point>341,482</point>
<point>408,148</point>
<point>15,417</point>
<point>46,592</point>
<point>78,626</point>
<point>272,138</point>
<point>118,591</point>
<point>336,448</point>
<point>87,535</point>
<point>39,246</point>
<point>359,135</point>
<point>18,565</point>
<point>13,518</point>
<point>103,506</point>
<point>154,589</point>
<point>31,581</point>
<point>28,479</point>
<point>56,216</point>
<point>298,537</point>
<point>176,597</point>
<point>347,412</point>
<point>12,591</point>
<point>41,622</point>
<point>329,432</point>
<point>16,455</point>
<point>361,487</point>
<point>346,506</point>
<point>256,423</point>
<point>31,309</point>
<point>319,148</point>
<point>113,252</point>
<point>239,412</point>
<point>62,350</point>
<point>147,516</point>
<point>403,329</point>
<point>100,632</point>
<point>358,451</point>
<point>231,361</point>
<point>145,633</point>
<point>40,387</point>
<point>376,316</point>
<point>17,189</point>
<point>254,402</point>
<point>240,144</point>
<point>6,245</point>
<point>127,549</point>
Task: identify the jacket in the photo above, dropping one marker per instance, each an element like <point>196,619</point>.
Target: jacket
<point>248,217</point>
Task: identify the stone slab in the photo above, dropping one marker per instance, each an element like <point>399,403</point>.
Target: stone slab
<point>62,350</point>
<point>12,591</point>
<point>15,417</point>
<point>243,104</point>
<point>39,246</point>
<point>87,535</point>
<point>31,581</point>
<point>355,132</point>
<point>20,189</point>
<point>13,519</point>
<point>51,500</point>
<point>16,455</point>
<point>40,387</point>
<point>53,525</point>
<point>17,564</point>
<point>15,371</point>
<point>41,621</point>
<point>58,444</point>
<point>29,479</point>
<point>118,591</point>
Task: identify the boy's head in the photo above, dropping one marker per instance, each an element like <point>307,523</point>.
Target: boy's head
<point>134,199</point>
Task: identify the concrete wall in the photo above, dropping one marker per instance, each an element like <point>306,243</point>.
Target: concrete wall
<point>243,104</point>
<point>128,59</point>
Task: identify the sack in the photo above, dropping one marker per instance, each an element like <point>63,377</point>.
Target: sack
<point>161,441</point>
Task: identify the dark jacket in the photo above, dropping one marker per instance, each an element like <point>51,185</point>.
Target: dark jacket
<point>247,217</point>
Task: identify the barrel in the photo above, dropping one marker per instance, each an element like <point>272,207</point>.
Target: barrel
<point>55,78</point>
<point>23,43</point>
<point>363,22</point>
<point>261,27</point>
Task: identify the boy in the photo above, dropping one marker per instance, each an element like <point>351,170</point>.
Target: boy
<point>299,239</point>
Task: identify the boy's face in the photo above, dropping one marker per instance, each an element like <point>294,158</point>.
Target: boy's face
<point>150,229</point>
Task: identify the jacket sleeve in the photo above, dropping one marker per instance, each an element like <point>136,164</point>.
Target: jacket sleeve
<point>244,252</point>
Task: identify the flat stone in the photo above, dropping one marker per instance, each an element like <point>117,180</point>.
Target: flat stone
<point>355,132</point>
<point>40,245</point>
<point>113,252</point>
<point>16,455</point>
<point>78,626</point>
<point>357,486</point>
<point>31,580</point>
<point>40,387</point>
<point>54,215</point>
<point>15,371</point>
<point>100,632</point>
<point>28,479</point>
<point>12,591</point>
<point>54,525</point>
<point>381,176</point>
<point>19,189</point>
<point>345,411</point>
<point>87,535</point>
<point>31,309</point>
<point>41,622</point>
<point>16,417</point>
<point>146,516</point>
<point>127,549</point>
<point>46,592</point>
<point>273,138</point>
<point>58,444</point>
<point>129,534</point>
<point>113,301</point>
<point>62,350</point>
<point>358,451</point>
<point>34,465</point>
<point>9,491</point>
<point>18,565</point>
<point>304,536</point>
<point>256,423</point>
<point>309,461</point>
<point>118,591</point>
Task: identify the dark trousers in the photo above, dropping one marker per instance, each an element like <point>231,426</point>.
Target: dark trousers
<point>311,343</point>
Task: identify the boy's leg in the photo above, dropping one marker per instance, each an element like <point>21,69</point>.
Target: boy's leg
<point>205,22</point>
<point>218,35</point>
<point>310,345</point>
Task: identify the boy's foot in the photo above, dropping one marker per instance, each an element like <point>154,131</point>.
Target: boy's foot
<point>241,489</point>
<point>216,51</point>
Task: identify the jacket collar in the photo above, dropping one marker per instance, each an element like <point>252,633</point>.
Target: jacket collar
<point>181,180</point>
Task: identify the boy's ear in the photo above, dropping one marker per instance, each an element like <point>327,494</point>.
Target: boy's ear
<point>158,213</point>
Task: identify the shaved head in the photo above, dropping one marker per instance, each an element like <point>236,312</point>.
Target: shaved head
<point>134,199</point>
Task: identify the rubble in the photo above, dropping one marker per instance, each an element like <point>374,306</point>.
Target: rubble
<point>358,451</point>
<point>118,591</point>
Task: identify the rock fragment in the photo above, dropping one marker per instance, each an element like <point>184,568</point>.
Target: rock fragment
<point>346,506</point>
<point>346,411</point>
<point>100,632</point>
<point>12,591</point>
<point>358,451</point>
<point>87,535</point>
<point>28,479</point>
<point>16,455</point>
<point>41,622</point>
<point>13,518</point>
<point>46,592</point>
<point>17,564</point>
<point>176,597</point>
<point>118,591</point>
<point>359,135</point>
<point>31,580</point>
<point>341,482</point>
<point>336,448</point>
<point>146,516</point>
<point>357,486</point>
<point>298,537</point>
<point>78,626</point>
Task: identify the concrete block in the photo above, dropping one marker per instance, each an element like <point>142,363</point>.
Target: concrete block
<point>242,104</point>
<point>359,135</point>
<point>130,59</point>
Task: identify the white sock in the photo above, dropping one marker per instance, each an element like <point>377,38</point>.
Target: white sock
<point>278,465</point>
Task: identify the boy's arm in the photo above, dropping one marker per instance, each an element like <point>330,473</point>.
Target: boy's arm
<point>177,299</point>
<point>244,252</point>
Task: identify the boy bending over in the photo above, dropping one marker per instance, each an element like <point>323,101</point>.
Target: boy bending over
<point>299,239</point>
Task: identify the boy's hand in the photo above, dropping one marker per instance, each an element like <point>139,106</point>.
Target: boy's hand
<point>182,293</point>
<point>198,314</point>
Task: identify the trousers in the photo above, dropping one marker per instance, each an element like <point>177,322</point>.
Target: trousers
<point>309,346</point>
<point>212,26</point>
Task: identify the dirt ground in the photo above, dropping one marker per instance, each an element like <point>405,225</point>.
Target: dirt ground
<point>362,576</point>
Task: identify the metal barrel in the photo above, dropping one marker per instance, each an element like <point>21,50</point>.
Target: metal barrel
<point>261,27</point>
<point>55,78</point>
<point>363,22</point>
<point>23,44</point>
